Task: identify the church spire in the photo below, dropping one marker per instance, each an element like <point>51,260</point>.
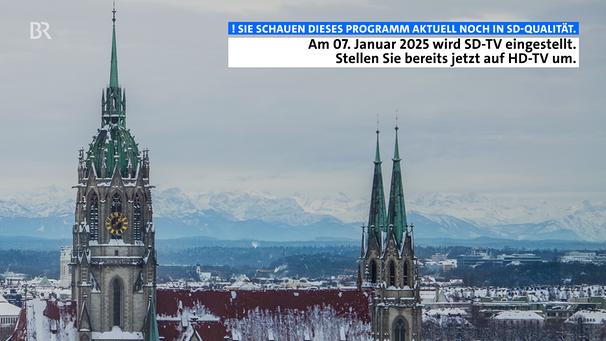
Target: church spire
<point>113,146</point>
<point>397,214</point>
<point>114,99</point>
<point>113,77</point>
<point>377,198</point>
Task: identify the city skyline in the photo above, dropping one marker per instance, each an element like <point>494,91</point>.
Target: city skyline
<point>505,133</point>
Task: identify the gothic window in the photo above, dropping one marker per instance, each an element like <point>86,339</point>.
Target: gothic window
<point>399,329</point>
<point>137,218</point>
<point>138,287</point>
<point>373,271</point>
<point>392,273</point>
<point>116,207</point>
<point>116,203</point>
<point>93,217</point>
<point>405,272</point>
<point>117,287</point>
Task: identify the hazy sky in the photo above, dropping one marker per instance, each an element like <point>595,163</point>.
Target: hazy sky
<point>506,133</point>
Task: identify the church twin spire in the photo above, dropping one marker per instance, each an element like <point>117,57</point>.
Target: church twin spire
<point>394,223</point>
<point>388,265</point>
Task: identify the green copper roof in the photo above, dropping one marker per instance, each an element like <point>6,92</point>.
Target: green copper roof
<point>377,199</point>
<point>113,145</point>
<point>396,215</point>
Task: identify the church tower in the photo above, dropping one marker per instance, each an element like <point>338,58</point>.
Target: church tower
<point>388,265</point>
<point>113,256</point>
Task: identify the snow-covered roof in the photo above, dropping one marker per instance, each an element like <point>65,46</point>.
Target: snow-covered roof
<point>427,294</point>
<point>588,316</point>
<point>51,320</point>
<point>446,316</point>
<point>519,315</point>
<point>262,315</point>
<point>117,334</point>
<point>428,297</point>
<point>7,309</point>
<point>446,312</point>
<point>329,314</point>
<point>243,283</point>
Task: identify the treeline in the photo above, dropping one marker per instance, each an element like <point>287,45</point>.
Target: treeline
<point>324,262</point>
<point>30,262</point>
<point>257,258</point>
<point>305,261</point>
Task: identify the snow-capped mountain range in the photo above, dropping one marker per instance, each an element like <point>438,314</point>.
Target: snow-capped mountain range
<point>48,212</point>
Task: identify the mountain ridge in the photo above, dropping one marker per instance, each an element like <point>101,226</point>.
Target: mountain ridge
<point>243,214</point>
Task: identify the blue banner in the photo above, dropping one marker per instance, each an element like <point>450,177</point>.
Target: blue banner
<point>403,28</point>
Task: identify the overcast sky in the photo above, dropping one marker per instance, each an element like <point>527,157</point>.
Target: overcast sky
<point>506,133</point>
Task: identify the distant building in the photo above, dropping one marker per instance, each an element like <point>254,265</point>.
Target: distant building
<point>435,299</point>
<point>520,317</point>
<point>560,310</point>
<point>477,257</point>
<point>583,257</point>
<point>13,278</point>
<point>13,296</point>
<point>8,313</point>
<point>65,277</point>
<point>481,256</point>
<point>243,283</point>
<point>202,276</point>
<point>520,258</point>
<point>438,257</point>
<point>587,325</point>
<point>449,264</point>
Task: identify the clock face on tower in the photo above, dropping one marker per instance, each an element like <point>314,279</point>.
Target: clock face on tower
<point>116,223</point>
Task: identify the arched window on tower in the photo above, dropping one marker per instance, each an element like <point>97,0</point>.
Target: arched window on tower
<point>116,207</point>
<point>400,327</point>
<point>137,218</point>
<point>392,273</point>
<point>116,203</point>
<point>93,217</point>
<point>117,301</point>
<point>373,271</point>
<point>406,272</point>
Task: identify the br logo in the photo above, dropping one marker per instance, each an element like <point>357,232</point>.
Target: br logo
<point>36,30</point>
